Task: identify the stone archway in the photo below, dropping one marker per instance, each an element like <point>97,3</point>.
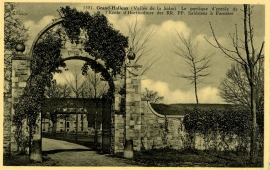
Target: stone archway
<point>124,126</point>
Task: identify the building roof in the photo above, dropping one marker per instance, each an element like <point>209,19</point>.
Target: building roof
<point>58,104</point>
<point>179,109</point>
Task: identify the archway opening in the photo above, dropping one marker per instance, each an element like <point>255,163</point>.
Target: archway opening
<point>78,105</point>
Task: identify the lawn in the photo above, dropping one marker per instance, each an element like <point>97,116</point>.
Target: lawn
<point>189,158</point>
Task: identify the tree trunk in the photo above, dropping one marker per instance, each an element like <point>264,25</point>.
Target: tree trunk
<point>195,83</point>
<point>96,134</point>
<point>81,123</point>
<point>76,132</point>
<point>65,133</point>
<point>54,127</point>
<point>253,142</point>
<point>36,151</point>
<point>196,95</point>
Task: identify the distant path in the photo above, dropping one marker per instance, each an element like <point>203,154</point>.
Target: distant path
<point>70,154</point>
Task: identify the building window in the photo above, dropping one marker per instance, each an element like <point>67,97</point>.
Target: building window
<point>67,124</point>
<point>61,123</point>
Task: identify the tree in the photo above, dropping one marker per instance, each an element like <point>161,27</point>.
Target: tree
<point>76,83</point>
<point>14,33</point>
<point>235,87</point>
<point>152,96</point>
<point>244,53</point>
<point>88,85</point>
<point>95,88</point>
<point>58,90</point>
<point>140,38</point>
<point>198,66</point>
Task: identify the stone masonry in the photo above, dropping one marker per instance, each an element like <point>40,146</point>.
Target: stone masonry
<point>20,74</point>
<point>160,131</point>
<point>133,106</point>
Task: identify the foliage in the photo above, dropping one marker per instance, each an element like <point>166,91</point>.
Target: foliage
<point>57,90</point>
<point>103,42</point>
<point>152,96</point>
<point>213,123</point>
<point>30,103</point>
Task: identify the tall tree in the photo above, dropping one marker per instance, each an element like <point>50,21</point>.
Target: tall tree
<point>89,85</point>
<point>140,38</point>
<point>95,88</point>
<point>198,64</point>
<point>76,83</point>
<point>14,33</point>
<point>75,80</point>
<point>245,54</point>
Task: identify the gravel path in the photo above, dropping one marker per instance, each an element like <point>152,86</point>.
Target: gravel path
<point>70,154</point>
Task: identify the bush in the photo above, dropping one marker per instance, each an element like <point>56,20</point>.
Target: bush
<point>222,127</point>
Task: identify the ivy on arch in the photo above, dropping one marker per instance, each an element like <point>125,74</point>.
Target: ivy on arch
<point>104,43</point>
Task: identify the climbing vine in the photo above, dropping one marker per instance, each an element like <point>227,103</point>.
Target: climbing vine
<point>46,60</point>
<point>103,42</point>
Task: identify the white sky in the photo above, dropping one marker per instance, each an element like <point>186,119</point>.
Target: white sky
<point>161,77</point>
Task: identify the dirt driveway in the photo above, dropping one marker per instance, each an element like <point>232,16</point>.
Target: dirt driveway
<point>69,154</point>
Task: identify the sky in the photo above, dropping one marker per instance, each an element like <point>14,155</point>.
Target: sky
<point>162,75</point>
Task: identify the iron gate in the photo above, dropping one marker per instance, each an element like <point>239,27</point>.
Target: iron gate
<point>106,125</point>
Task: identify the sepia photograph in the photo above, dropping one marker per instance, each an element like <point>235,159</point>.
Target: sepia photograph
<point>134,84</point>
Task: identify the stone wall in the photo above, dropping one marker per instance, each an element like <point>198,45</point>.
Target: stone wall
<point>160,131</point>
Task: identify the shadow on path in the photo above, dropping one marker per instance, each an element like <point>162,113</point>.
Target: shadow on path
<point>64,150</point>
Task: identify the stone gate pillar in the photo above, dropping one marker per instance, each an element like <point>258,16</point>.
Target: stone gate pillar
<point>20,74</point>
<point>117,123</point>
<point>133,107</point>
<point>7,107</point>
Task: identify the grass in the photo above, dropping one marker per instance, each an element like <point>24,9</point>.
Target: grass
<point>23,160</point>
<point>193,158</point>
